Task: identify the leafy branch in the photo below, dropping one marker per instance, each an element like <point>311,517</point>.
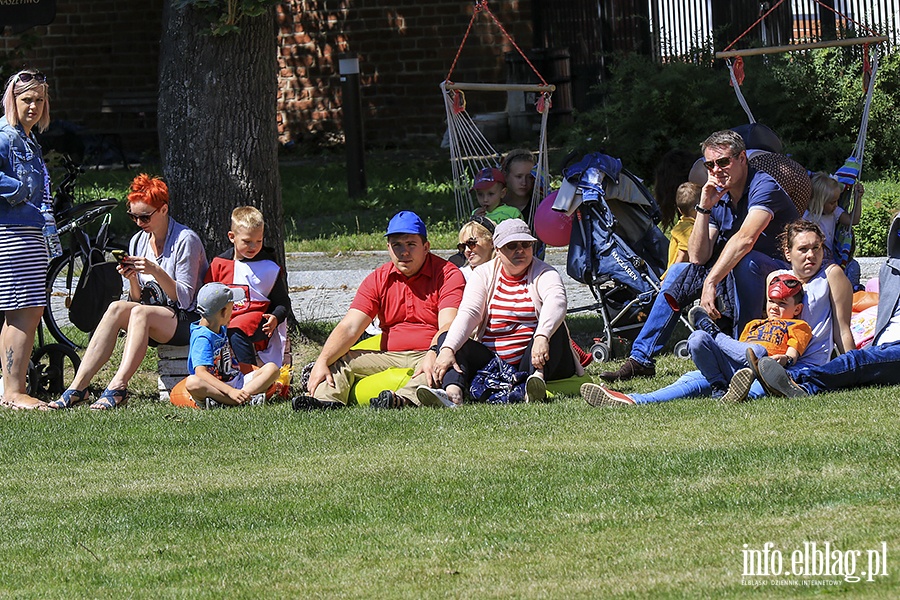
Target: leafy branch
<point>225,15</point>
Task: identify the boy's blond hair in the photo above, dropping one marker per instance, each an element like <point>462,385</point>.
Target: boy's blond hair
<point>246,217</point>
<point>687,196</point>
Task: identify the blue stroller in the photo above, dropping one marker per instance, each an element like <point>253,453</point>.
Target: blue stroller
<point>616,247</point>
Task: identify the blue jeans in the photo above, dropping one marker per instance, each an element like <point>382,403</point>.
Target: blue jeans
<point>718,358</point>
<point>875,365</point>
<point>690,385</point>
<point>750,278</point>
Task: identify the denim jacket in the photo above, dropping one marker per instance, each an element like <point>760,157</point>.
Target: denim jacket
<point>22,177</point>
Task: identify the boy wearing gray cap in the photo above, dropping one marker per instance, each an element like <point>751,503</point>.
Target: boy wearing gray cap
<point>216,377</point>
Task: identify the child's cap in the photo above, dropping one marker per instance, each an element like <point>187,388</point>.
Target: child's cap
<point>488,177</point>
<point>406,221</point>
<point>785,286</point>
<point>213,297</point>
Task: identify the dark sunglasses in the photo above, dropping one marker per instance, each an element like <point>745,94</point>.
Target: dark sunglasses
<point>469,243</point>
<point>513,246</point>
<point>719,162</point>
<point>142,218</point>
<point>25,77</point>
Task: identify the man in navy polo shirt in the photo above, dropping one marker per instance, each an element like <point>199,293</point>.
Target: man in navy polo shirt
<point>739,216</point>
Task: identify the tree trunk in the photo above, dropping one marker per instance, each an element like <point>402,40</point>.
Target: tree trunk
<point>217,124</point>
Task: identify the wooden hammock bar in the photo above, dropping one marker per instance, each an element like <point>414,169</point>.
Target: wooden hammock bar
<point>805,46</point>
<point>500,87</point>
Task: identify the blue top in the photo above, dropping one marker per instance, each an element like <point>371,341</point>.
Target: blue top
<point>211,350</point>
<point>761,193</point>
<point>23,178</point>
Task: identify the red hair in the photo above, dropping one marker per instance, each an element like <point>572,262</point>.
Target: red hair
<point>149,190</point>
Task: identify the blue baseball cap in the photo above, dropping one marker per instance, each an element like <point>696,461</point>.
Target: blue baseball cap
<point>406,221</point>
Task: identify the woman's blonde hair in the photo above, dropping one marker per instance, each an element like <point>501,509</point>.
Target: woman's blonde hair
<point>475,230</point>
<point>15,87</point>
<point>824,189</point>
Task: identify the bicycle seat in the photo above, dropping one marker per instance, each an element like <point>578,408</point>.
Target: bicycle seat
<point>94,208</point>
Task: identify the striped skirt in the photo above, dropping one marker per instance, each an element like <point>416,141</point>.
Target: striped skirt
<point>23,267</point>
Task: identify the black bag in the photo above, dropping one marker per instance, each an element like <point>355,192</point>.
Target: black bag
<point>152,294</point>
<point>98,286</point>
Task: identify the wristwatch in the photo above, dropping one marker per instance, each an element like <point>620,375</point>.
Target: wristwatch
<point>701,210</point>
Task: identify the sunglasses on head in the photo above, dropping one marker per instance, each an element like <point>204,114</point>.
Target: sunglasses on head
<point>513,246</point>
<point>719,162</point>
<point>25,77</point>
<point>142,218</point>
<point>469,243</point>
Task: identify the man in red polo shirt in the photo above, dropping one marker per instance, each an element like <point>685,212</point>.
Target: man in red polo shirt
<point>415,297</point>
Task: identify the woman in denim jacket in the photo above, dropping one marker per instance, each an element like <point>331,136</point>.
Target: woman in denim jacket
<point>24,187</point>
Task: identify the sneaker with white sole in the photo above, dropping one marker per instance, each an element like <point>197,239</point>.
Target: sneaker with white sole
<point>739,390</point>
<point>597,395</point>
<point>535,389</point>
<point>257,399</point>
<point>434,397</point>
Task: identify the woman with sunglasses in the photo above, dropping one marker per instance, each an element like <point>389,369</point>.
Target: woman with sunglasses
<point>514,305</point>
<point>476,243</point>
<point>164,268</point>
<point>827,307</point>
<point>25,188</point>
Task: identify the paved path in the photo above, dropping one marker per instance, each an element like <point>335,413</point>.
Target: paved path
<point>322,287</point>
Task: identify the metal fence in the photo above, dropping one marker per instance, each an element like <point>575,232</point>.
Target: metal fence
<point>679,27</point>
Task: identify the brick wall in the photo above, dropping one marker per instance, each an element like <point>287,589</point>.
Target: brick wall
<point>405,49</point>
<point>100,48</point>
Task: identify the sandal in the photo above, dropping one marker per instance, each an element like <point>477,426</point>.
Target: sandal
<point>70,399</point>
<point>110,399</point>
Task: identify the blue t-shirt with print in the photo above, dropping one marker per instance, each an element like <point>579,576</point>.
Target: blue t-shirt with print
<point>211,350</point>
<point>762,192</point>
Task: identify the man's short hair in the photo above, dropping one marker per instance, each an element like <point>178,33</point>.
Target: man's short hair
<point>726,137</point>
<point>246,217</point>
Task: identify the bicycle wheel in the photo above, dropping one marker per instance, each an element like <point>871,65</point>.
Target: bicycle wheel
<point>62,280</point>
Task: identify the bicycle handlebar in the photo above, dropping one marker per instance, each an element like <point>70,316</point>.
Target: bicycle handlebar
<point>82,214</point>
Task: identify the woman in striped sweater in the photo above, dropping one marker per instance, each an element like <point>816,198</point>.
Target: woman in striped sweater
<point>514,307</point>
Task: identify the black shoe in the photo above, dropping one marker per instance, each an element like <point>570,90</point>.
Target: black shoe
<point>387,399</point>
<point>700,319</point>
<point>775,378</point>
<point>629,370</point>
<point>309,403</point>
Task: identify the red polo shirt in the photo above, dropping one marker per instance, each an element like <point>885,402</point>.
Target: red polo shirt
<point>408,307</point>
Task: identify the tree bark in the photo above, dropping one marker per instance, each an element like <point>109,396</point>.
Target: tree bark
<point>217,124</point>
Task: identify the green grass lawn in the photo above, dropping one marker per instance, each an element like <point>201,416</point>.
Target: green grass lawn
<point>556,500</point>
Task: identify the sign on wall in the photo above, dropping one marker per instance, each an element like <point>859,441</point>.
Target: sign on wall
<point>26,13</point>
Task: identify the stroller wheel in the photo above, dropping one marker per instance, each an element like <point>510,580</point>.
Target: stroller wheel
<point>681,349</point>
<point>600,352</point>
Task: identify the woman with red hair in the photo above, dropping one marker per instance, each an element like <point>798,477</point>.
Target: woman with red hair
<point>24,191</point>
<point>165,266</point>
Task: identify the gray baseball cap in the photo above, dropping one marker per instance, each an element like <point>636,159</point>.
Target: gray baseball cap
<point>213,297</point>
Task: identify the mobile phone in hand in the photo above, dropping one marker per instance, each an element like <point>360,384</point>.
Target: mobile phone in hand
<point>120,255</point>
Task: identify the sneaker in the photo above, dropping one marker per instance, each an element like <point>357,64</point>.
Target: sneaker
<point>309,403</point>
<point>739,390</point>
<point>597,395</point>
<point>629,370</point>
<point>535,389</point>
<point>717,392</point>
<point>387,399</point>
<point>434,397</point>
<point>210,404</point>
<point>776,379</point>
<point>700,319</point>
<point>585,358</point>
<point>257,399</point>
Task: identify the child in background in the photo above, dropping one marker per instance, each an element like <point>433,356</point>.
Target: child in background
<point>490,189</point>
<point>823,210</point>
<point>258,328</point>
<point>781,336</point>
<point>518,166</point>
<point>215,376</point>
<point>687,196</point>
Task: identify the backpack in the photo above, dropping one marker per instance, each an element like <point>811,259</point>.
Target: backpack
<point>98,286</point>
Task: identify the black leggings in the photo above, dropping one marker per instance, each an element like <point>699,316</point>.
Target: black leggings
<point>475,355</point>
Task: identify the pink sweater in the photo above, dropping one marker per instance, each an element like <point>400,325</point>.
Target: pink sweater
<point>547,292</point>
